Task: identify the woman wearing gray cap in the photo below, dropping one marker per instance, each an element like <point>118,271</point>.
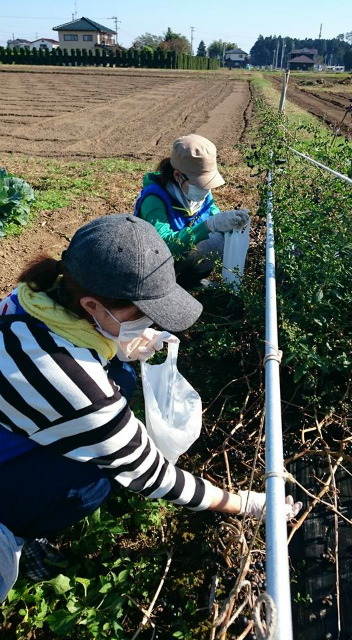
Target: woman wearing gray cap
<point>67,434</point>
<point>178,202</point>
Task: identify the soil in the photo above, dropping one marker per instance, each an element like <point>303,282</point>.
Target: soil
<point>329,106</point>
<point>82,114</point>
<point>88,113</point>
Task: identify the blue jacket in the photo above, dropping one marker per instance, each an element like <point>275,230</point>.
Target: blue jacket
<point>176,214</point>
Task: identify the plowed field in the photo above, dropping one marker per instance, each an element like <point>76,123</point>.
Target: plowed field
<point>49,117</point>
<point>328,103</point>
<point>107,113</point>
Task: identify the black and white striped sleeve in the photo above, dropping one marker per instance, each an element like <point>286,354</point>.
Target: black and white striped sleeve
<point>60,396</point>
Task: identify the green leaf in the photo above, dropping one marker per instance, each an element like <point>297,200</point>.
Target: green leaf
<point>123,575</point>
<point>61,622</point>
<point>61,584</point>
<point>299,371</point>
<point>106,587</point>
<point>85,582</point>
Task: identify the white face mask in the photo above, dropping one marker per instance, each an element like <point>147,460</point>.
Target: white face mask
<point>196,194</point>
<point>129,336</point>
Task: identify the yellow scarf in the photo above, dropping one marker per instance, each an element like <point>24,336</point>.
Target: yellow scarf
<point>60,321</point>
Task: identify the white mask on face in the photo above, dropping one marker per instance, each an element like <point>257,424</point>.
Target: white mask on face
<point>129,335</point>
<point>196,194</point>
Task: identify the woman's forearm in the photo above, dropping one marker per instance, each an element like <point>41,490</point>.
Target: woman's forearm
<point>225,502</point>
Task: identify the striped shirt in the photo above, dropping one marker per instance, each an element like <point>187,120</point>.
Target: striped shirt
<point>60,397</point>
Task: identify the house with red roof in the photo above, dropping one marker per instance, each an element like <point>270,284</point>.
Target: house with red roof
<point>45,43</point>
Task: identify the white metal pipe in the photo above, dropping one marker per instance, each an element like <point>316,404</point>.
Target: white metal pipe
<point>322,166</point>
<point>277,567</point>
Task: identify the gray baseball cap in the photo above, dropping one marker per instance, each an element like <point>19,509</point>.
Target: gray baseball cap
<point>121,256</point>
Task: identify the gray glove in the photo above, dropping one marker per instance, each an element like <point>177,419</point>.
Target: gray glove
<point>228,220</point>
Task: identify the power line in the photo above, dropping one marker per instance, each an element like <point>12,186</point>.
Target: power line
<point>28,18</point>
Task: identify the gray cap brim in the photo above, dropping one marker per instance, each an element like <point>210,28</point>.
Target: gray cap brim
<point>174,312</point>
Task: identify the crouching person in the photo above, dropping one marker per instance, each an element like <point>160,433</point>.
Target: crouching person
<point>67,434</point>
<point>177,200</point>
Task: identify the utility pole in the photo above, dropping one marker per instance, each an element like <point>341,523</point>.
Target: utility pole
<point>274,54</point>
<point>321,27</point>
<point>116,21</point>
<point>192,29</point>
<point>277,54</point>
<point>75,9</point>
<point>283,53</point>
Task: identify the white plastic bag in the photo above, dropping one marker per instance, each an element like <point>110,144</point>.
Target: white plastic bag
<point>173,408</point>
<point>234,256</point>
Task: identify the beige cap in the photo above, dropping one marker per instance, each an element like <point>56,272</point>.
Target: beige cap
<point>195,156</point>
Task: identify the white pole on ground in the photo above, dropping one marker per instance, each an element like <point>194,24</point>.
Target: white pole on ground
<point>277,567</point>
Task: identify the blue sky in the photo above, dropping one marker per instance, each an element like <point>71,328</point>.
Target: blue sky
<point>240,21</point>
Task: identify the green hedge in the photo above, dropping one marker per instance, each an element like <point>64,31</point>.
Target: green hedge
<point>129,58</point>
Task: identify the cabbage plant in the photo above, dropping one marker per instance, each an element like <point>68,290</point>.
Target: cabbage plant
<point>16,196</point>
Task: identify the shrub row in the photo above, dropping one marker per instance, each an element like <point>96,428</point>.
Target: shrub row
<point>97,58</point>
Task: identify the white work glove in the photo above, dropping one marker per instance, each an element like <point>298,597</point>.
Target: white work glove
<point>252,504</point>
<point>228,220</point>
<point>150,342</point>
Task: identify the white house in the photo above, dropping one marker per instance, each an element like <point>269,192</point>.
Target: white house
<point>45,43</point>
<point>18,43</point>
<point>235,58</point>
<point>84,34</point>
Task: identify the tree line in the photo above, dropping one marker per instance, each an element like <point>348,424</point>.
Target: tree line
<point>335,51</point>
<point>172,41</point>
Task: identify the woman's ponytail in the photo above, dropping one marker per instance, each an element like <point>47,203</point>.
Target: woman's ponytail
<point>41,273</point>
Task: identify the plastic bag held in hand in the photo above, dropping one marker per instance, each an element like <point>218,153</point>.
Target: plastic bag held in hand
<point>173,409</point>
<point>228,220</point>
<point>145,346</point>
<point>252,503</point>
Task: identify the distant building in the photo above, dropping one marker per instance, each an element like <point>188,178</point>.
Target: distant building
<point>85,34</point>
<point>302,59</point>
<point>18,43</point>
<point>235,58</point>
<point>336,68</point>
<point>44,43</point>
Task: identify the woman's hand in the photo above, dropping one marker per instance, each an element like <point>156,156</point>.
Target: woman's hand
<point>253,503</point>
<point>151,342</point>
<point>248,502</point>
<point>228,220</point>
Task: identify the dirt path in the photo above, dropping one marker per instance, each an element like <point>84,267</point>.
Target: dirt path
<point>84,114</point>
<point>325,105</point>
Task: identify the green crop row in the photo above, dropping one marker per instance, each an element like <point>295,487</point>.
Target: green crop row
<point>313,238</point>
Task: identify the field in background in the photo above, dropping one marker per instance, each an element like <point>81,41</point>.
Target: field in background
<point>66,113</point>
<point>84,138</point>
